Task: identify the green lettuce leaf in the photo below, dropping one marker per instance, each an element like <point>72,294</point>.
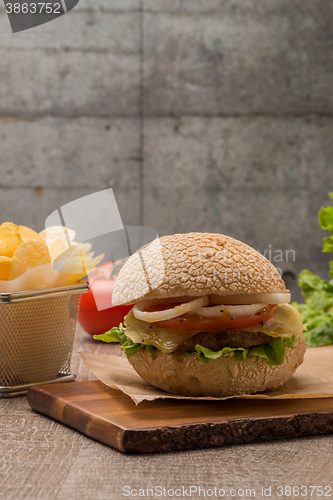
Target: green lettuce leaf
<point>131,347</point>
<point>151,349</point>
<point>205,354</point>
<point>319,325</point>
<point>317,312</point>
<point>116,334</point>
<point>325,217</point>
<point>317,292</point>
<point>273,351</point>
<point>328,244</point>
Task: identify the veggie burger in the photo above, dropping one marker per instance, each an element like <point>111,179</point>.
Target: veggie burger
<point>210,318</point>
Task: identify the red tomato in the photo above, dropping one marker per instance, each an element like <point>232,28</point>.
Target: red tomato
<point>189,322</point>
<point>96,320</point>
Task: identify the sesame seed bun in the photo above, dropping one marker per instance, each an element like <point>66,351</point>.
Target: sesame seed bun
<point>198,264</point>
<point>221,377</point>
<point>195,264</point>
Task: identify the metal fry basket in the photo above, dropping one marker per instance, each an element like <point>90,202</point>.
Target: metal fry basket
<point>37,330</point>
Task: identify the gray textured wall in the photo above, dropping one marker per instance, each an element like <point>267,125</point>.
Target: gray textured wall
<point>203,115</point>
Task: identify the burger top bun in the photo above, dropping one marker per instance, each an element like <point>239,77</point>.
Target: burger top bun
<point>195,264</point>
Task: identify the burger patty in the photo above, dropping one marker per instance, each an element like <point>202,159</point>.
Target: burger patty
<point>230,338</point>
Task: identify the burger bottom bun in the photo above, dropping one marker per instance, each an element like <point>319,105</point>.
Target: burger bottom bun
<point>222,377</point>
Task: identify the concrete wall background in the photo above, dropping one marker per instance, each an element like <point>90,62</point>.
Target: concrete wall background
<point>203,115</point>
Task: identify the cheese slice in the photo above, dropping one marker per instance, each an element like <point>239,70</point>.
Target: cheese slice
<point>147,333</point>
<point>286,322</point>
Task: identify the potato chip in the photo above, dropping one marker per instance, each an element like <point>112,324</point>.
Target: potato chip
<point>22,249</point>
<point>57,232</point>
<point>58,239</point>
<point>78,267</point>
<point>81,264</point>
<point>76,250</point>
<point>78,262</point>
<point>29,254</point>
<point>9,224</point>
<point>5,267</point>
<point>10,236</point>
<point>26,233</point>
<point>5,250</point>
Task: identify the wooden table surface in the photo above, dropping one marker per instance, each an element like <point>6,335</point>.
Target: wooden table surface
<point>42,459</point>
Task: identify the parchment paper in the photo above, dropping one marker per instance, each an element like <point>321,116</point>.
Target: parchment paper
<point>37,278</point>
<point>313,379</point>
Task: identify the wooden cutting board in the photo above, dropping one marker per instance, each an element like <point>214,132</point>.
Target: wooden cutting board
<point>111,417</point>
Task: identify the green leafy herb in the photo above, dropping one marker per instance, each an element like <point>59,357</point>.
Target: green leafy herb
<point>317,312</point>
<point>317,292</point>
<point>205,354</point>
<point>116,334</point>
<point>151,349</point>
<point>273,352</point>
<point>319,325</point>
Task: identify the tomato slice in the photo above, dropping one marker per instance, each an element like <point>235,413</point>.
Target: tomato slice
<point>190,322</point>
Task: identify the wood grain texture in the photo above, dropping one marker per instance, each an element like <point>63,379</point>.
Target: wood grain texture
<point>112,418</point>
<point>45,460</point>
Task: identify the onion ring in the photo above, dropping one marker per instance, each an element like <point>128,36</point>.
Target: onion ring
<point>222,311</point>
<point>253,298</point>
<point>174,312</point>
